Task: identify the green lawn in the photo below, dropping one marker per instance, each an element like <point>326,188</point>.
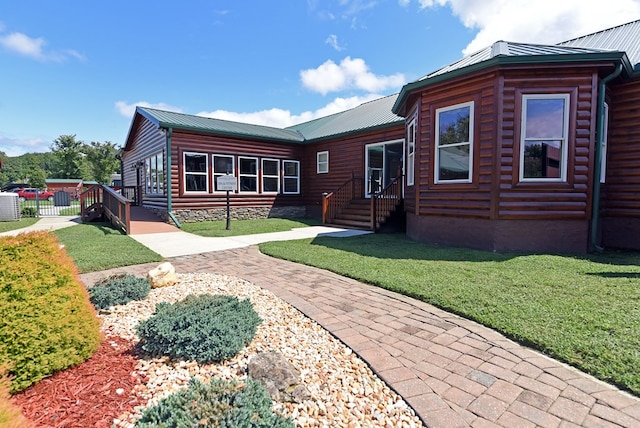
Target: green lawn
<point>246,227</point>
<point>98,246</point>
<point>6,226</point>
<point>584,310</point>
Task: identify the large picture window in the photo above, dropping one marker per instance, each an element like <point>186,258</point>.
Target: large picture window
<point>411,151</point>
<point>222,165</point>
<point>270,175</point>
<point>196,172</point>
<point>543,148</point>
<point>291,176</point>
<point>248,174</point>
<point>454,144</point>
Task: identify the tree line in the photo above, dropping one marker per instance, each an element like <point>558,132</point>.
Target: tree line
<point>68,158</point>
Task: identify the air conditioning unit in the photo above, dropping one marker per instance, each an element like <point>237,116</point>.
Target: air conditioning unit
<point>9,206</point>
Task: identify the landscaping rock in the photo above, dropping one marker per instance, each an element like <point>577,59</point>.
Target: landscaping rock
<point>278,376</point>
<point>162,276</point>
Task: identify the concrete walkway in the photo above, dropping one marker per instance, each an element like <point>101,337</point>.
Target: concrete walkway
<point>453,372</point>
<point>46,223</point>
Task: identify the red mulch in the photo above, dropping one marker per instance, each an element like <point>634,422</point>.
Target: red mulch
<point>85,395</point>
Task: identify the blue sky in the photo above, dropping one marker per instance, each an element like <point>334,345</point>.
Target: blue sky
<point>81,67</point>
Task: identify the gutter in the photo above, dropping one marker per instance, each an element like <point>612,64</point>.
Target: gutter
<point>168,178</point>
<point>595,206</point>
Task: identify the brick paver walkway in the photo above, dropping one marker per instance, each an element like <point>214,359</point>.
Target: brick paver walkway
<point>453,372</point>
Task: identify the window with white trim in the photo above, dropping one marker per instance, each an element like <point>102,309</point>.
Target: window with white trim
<point>222,165</point>
<point>544,133</point>
<point>411,151</point>
<point>248,174</point>
<point>290,177</point>
<point>196,172</point>
<point>270,175</point>
<point>454,144</point>
<point>322,162</point>
<point>603,147</point>
<point>154,174</point>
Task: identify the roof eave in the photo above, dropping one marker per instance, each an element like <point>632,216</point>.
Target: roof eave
<point>355,131</point>
<point>407,89</point>
<point>167,125</point>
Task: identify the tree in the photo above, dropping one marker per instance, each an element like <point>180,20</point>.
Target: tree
<point>102,160</point>
<point>70,161</point>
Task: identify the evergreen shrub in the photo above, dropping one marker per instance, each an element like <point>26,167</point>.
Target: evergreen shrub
<point>118,290</point>
<point>220,403</point>
<point>28,212</point>
<point>47,322</point>
<point>204,328</point>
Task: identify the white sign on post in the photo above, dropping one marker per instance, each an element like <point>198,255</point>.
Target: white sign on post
<point>226,182</point>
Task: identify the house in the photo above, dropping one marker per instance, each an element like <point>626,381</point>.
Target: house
<point>73,186</point>
<point>517,147</point>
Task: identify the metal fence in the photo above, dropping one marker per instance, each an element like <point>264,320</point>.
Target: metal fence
<point>61,205</point>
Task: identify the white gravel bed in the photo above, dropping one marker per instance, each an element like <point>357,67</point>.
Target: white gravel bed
<point>344,390</point>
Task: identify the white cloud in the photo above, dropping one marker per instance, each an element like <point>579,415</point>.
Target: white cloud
<point>535,21</point>
<point>127,110</point>
<point>349,74</point>
<point>333,41</point>
<point>280,118</point>
<point>16,147</point>
<point>34,48</point>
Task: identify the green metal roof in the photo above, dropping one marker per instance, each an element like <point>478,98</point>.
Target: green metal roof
<point>169,119</point>
<point>625,37</point>
<point>370,115</point>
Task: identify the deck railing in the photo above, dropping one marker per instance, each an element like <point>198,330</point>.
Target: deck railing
<point>384,202</point>
<point>334,202</point>
<point>103,201</point>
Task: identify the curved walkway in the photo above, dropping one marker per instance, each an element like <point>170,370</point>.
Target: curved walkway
<point>452,371</point>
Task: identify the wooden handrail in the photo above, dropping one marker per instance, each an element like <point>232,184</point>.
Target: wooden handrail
<point>336,201</point>
<point>103,201</point>
<point>385,202</point>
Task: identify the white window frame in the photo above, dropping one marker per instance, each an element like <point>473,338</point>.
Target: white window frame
<point>603,147</point>
<point>154,174</point>
<point>185,172</point>
<point>289,177</point>
<point>322,166</point>
<point>277,176</point>
<point>411,151</point>
<point>240,174</point>
<point>564,137</point>
<point>436,172</point>
<point>219,174</point>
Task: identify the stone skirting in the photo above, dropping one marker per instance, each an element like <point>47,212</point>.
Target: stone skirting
<point>238,213</point>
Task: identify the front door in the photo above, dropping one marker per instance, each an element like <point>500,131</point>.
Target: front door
<point>383,164</point>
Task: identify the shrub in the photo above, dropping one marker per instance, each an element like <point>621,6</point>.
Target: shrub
<point>28,212</point>
<point>204,328</point>
<point>48,323</point>
<point>118,290</point>
<point>10,416</point>
<point>220,403</point>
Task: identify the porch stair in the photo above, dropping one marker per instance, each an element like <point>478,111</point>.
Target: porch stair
<point>356,215</point>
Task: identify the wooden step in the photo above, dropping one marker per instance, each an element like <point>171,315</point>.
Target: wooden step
<point>354,224</point>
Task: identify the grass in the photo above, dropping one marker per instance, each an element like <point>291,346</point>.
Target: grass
<point>246,227</point>
<point>98,246</point>
<point>70,211</point>
<point>6,226</point>
<point>583,310</point>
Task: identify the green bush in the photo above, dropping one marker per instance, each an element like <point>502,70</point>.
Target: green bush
<point>204,328</point>
<point>28,212</point>
<point>118,290</point>
<point>47,322</point>
<point>220,403</point>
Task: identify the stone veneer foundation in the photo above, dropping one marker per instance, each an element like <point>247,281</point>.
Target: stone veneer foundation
<point>240,213</point>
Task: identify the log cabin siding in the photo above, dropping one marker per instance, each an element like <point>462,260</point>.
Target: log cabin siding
<point>548,200</point>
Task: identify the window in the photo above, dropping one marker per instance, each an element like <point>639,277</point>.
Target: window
<point>454,148</point>
<point>222,165</point>
<point>322,162</point>
<point>270,176</point>
<point>543,147</point>
<point>196,172</point>
<point>603,147</point>
<point>411,149</point>
<point>248,173</point>
<point>291,176</point>
<point>154,174</point>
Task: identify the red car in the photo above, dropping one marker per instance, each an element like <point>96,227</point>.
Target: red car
<point>29,193</point>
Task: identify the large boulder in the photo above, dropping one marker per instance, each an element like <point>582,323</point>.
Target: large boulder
<point>163,275</point>
<point>278,376</point>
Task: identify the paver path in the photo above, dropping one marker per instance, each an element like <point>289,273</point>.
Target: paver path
<point>453,372</point>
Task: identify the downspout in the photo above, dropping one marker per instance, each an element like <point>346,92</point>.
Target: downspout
<point>595,206</point>
<point>168,176</point>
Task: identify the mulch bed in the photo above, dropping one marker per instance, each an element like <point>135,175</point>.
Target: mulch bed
<point>91,394</point>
